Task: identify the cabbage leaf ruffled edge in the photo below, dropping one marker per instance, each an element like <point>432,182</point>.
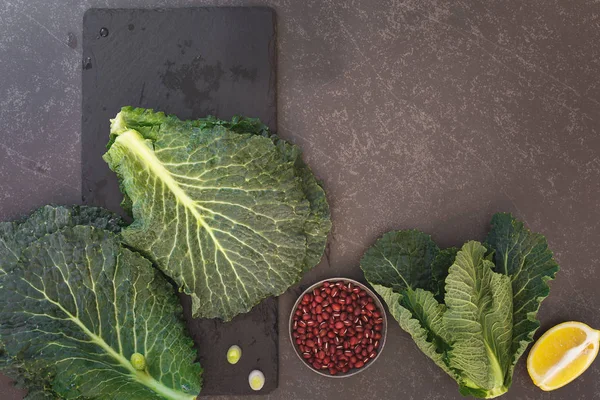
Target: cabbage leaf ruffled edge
<point>429,292</point>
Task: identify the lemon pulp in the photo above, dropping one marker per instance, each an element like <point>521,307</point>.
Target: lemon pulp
<point>562,354</point>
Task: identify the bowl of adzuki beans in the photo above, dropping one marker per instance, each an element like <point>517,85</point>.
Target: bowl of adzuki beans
<point>338,327</point>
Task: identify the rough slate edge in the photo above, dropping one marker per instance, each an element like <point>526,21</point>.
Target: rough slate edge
<point>257,331</point>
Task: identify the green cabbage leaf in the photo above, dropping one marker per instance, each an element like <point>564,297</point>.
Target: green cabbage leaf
<point>75,304</point>
<point>230,212</point>
<point>14,238</point>
<point>473,310</point>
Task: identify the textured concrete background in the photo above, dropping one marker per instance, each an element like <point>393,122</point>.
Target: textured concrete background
<point>426,114</point>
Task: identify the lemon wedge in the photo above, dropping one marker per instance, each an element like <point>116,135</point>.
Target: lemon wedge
<point>562,354</point>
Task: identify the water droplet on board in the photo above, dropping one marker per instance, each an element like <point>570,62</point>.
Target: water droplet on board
<point>130,27</point>
<point>87,63</point>
<point>103,32</point>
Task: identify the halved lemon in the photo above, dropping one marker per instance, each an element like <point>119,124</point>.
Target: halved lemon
<point>562,354</point>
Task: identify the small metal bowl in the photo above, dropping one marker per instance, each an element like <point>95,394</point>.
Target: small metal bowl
<point>383,330</point>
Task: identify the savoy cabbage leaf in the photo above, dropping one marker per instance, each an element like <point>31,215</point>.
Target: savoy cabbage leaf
<point>472,311</point>
<point>478,321</point>
<point>14,238</point>
<point>77,305</point>
<point>404,267</point>
<point>525,257</point>
<point>230,212</point>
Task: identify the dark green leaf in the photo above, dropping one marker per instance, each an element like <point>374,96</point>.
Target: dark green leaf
<point>402,260</point>
<point>439,267</point>
<point>488,314</point>
<point>525,257</point>
<point>400,266</point>
<point>14,238</point>
<point>78,305</point>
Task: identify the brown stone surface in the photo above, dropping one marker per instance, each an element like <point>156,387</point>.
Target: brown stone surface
<point>425,114</point>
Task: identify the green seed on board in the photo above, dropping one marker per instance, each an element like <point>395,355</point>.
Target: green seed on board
<point>256,379</point>
<point>234,354</point>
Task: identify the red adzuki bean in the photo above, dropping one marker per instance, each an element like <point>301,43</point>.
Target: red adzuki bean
<point>337,327</point>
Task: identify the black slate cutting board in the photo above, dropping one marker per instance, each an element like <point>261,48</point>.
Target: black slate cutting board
<point>190,62</point>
